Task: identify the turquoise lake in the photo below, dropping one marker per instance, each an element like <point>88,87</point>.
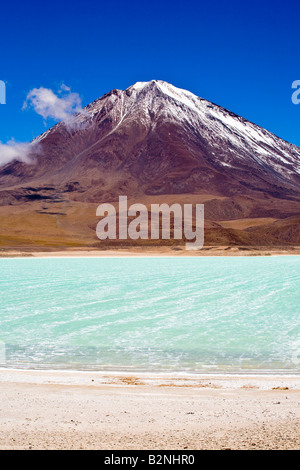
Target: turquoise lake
<point>156,314</point>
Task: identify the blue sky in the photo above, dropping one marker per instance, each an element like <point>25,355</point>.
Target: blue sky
<point>241,55</point>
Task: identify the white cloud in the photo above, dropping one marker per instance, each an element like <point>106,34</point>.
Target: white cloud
<point>49,105</point>
<point>60,107</point>
<point>16,151</point>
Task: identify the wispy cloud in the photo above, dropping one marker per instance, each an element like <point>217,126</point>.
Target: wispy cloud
<point>17,151</point>
<point>60,106</point>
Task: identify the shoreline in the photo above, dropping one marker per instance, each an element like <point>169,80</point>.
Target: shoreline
<point>144,253</point>
<point>100,410</point>
<point>263,380</point>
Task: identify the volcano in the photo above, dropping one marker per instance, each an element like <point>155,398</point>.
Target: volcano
<point>153,142</point>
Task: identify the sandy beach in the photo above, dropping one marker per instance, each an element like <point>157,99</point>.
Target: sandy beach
<point>102,410</point>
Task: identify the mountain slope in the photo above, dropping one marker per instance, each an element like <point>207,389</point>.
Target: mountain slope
<point>155,140</point>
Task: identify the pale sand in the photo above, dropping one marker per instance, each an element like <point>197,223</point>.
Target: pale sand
<point>148,252</point>
<point>99,410</point>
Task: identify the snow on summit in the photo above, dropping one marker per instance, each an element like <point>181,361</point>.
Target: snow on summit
<point>228,139</point>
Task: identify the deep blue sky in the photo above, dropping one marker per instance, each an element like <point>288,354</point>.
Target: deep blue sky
<point>241,55</point>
